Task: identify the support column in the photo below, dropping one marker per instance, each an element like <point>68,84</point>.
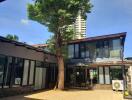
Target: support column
<point>130,75</point>
<point>86,76</point>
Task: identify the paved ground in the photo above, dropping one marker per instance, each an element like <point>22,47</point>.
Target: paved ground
<point>71,95</point>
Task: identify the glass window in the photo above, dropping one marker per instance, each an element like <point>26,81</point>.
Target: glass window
<point>106,49</point>
<point>2,63</point>
<point>116,73</point>
<point>82,50</point>
<point>25,72</point>
<point>8,72</point>
<point>107,75</point>
<point>76,50</point>
<point>31,75</point>
<point>115,48</point>
<point>87,50</point>
<point>39,64</point>
<point>71,51</point>
<point>52,72</point>
<point>18,68</point>
<point>38,78</point>
<point>101,75</point>
<point>39,75</point>
<point>116,44</point>
<point>99,49</point>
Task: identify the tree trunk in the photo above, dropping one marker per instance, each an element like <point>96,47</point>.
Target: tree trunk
<point>60,72</point>
<point>60,61</point>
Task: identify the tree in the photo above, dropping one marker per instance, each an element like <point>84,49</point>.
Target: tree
<point>12,37</point>
<point>57,15</point>
<point>68,36</point>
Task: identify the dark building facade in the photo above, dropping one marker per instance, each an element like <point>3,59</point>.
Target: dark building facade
<point>95,60</point>
<point>25,68</point>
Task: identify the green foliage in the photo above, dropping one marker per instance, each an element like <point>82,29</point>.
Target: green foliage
<point>12,37</point>
<point>68,35</point>
<point>56,13</point>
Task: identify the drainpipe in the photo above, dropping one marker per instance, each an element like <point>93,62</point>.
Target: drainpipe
<point>123,66</point>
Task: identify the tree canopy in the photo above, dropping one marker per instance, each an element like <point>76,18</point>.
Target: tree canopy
<point>56,13</point>
<point>12,37</point>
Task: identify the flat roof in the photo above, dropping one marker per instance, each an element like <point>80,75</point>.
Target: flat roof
<point>102,37</point>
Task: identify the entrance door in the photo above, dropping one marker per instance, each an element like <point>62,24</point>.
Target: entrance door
<point>80,77</point>
<point>92,76</point>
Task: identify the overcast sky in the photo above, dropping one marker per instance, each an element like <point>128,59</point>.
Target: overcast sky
<point>107,17</point>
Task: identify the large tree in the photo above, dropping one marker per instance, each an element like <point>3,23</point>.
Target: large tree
<point>12,37</point>
<point>57,15</point>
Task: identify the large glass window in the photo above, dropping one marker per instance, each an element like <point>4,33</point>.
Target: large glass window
<point>116,44</point>
<point>101,75</point>
<point>53,72</point>
<point>107,75</point>
<point>76,50</point>
<point>25,72</point>
<point>115,48</point>
<point>82,50</point>
<point>116,73</point>
<point>106,49</point>
<point>99,49</point>
<point>2,63</point>
<point>8,72</point>
<point>31,75</point>
<point>71,51</point>
<point>39,75</point>
<point>87,50</point>
<point>18,68</point>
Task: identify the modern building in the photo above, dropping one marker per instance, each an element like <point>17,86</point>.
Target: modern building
<point>96,61</point>
<point>24,68</point>
<point>80,27</point>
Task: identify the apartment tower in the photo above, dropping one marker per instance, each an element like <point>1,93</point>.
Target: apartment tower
<point>80,27</point>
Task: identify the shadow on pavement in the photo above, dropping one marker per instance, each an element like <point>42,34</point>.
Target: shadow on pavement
<point>24,96</point>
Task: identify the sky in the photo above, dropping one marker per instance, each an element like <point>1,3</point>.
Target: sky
<point>106,17</point>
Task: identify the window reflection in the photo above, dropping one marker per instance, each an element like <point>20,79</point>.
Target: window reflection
<point>71,51</point>
<point>115,48</point>
<point>8,72</point>
<point>76,50</point>
<point>18,67</point>
<point>82,50</point>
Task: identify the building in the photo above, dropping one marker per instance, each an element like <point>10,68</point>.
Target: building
<point>41,46</point>
<point>96,61</point>
<point>93,63</point>
<point>24,68</point>
<point>80,27</point>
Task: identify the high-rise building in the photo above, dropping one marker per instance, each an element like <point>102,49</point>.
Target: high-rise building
<point>80,27</point>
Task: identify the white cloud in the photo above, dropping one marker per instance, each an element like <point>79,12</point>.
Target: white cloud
<point>25,21</point>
